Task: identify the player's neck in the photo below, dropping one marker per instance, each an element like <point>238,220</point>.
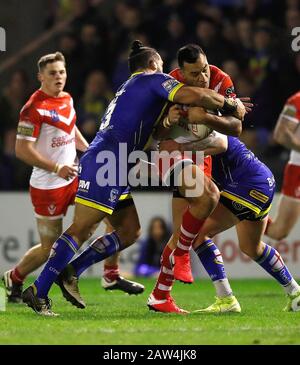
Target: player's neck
<point>51,93</point>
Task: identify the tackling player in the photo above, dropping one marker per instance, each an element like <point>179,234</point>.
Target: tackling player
<point>247,188</point>
<point>47,139</point>
<point>287,133</point>
<point>130,119</point>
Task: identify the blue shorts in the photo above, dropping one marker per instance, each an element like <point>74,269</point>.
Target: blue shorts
<point>250,199</point>
<point>94,190</point>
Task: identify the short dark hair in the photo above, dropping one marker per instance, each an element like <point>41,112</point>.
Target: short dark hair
<point>50,58</point>
<point>140,56</point>
<point>189,53</point>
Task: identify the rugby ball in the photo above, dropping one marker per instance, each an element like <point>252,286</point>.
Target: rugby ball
<point>199,130</point>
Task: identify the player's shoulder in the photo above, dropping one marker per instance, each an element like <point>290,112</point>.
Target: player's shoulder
<point>33,102</point>
<point>176,73</point>
<point>217,72</point>
<point>294,99</point>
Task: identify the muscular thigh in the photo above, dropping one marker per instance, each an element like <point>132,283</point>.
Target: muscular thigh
<point>49,230</point>
<point>219,221</point>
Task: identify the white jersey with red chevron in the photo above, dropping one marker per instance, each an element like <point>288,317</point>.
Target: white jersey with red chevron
<point>50,123</point>
<point>291,112</point>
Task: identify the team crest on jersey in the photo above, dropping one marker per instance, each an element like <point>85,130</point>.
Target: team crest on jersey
<point>113,195</point>
<point>170,84</point>
<point>54,115</point>
<point>51,209</point>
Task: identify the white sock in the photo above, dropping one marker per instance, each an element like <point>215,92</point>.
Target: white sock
<point>292,288</point>
<point>223,288</point>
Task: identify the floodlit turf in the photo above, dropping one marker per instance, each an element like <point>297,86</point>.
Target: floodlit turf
<point>116,318</point>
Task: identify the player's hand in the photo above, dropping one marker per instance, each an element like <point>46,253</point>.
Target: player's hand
<point>196,114</point>
<point>247,103</point>
<point>67,172</point>
<point>240,110</point>
<point>169,145</point>
<point>174,114</point>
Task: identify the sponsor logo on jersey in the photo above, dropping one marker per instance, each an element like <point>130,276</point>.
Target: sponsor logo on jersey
<point>237,206</point>
<point>61,141</point>
<point>170,84</point>
<point>54,115</point>
<point>84,185</point>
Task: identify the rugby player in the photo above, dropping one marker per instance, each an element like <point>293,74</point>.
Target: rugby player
<point>130,119</point>
<point>247,187</point>
<point>287,134</point>
<point>47,139</point>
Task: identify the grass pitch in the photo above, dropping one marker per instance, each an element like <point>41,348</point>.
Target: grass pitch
<point>116,318</point>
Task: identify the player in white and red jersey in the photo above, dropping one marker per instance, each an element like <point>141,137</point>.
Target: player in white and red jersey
<point>47,139</point>
<point>195,71</point>
<point>287,133</point>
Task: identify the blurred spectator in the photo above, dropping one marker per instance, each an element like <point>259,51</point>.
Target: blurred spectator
<point>152,247</point>
<point>93,103</point>
<point>13,173</point>
<point>93,50</point>
<point>208,37</point>
<point>68,45</point>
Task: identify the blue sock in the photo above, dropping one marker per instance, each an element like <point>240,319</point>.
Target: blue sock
<point>272,262</point>
<point>212,261</point>
<point>62,252</point>
<point>97,251</point>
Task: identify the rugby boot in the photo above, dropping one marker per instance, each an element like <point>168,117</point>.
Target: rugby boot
<point>13,290</point>
<point>164,305</point>
<point>182,268</point>
<point>222,305</point>
<point>68,283</point>
<point>41,306</point>
<point>125,285</point>
<point>293,304</point>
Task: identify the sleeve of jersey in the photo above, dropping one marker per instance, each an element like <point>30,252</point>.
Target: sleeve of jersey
<point>227,88</point>
<point>166,86</point>
<point>291,110</point>
<point>29,124</point>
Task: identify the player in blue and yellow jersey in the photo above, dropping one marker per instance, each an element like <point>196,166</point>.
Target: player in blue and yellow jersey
<point>129,119</point>
<point>246,192</point>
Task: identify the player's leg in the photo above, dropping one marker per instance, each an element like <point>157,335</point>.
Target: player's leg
<point>126,231</point>
<point>111,279</point>
<point>250,235</point>
<point>202,196</point>
<point>49,230</point>
<point>210,257</point>
<point>287,214</point>
<point>63,250</point>
<point>160,298</point>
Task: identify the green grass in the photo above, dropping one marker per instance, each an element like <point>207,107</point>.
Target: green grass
<point>116,318</point>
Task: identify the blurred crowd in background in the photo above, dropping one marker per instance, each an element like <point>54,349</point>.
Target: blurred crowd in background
<point>250,40</point>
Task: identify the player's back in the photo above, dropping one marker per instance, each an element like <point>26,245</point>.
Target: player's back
<point>237,163</point>
<point>131,115</point>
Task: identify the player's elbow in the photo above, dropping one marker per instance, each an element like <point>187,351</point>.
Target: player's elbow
<point>237,130</point>
<point>19,151</point>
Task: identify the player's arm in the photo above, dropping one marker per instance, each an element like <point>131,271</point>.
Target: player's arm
<point>228,125</point>
<point>81,143</point>
<point>214,144</point>
<point>26,151</point>
<point>209,99</point>
<point>285,128</point>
